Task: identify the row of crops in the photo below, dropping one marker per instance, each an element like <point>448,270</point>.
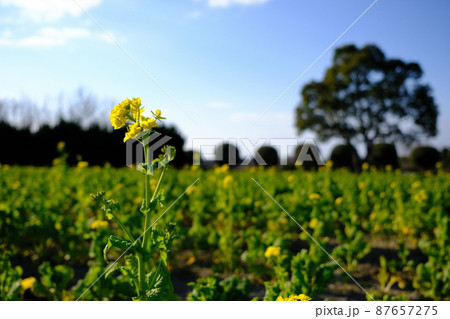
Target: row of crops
<point>239,233</point>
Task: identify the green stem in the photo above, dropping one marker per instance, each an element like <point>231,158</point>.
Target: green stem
<point>147,216</point>
<point>124,229</point>
<point>141,270</point>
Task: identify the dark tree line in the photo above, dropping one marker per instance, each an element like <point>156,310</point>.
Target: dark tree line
<point>95,144</point>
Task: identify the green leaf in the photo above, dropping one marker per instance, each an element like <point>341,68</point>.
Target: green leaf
<point>158,283</point>
<point>114,241</point>
<point>112,269</point>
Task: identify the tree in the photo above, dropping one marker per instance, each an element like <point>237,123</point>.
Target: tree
<point>269,155</point>
<point>227,154</point>
<point>364,96</point>
<point>425,157</point>
<point>383,154</point>
<point>341,156</point>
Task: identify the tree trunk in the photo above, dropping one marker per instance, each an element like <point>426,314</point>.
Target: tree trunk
<point>356,167</point>
<point>369,147</point>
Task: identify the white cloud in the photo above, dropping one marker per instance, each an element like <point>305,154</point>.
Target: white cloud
<point>50,10</point>
<point>227,3</point>
<point>47,37</point>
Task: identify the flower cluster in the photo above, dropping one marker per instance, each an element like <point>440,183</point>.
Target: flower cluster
<point>130,113</point>
<point>272,251</point>
<point>300,297</point>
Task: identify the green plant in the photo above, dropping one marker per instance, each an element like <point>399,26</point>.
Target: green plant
<point>213,289</point>
<point>10,278</point>
<point>149,275</point>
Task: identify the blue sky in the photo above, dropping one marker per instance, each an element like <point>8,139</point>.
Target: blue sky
<point>224,61</point>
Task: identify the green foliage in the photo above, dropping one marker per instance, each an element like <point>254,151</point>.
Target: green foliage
<point>433,277</point>
<point>213,289</point>
<point>10,277</point>
<point>54,282</point>
<point>382,155</point>
<point>425,157</point>
<point>227,227</point>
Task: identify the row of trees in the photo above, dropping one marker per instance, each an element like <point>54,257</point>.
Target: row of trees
<point>95,144</point>
<point>381,156</point>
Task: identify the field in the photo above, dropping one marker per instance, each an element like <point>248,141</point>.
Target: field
<point>240,229</point>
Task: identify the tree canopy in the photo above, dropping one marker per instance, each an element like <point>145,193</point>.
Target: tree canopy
<point>366,97</point>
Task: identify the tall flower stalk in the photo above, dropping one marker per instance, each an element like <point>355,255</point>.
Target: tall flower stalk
<point>149,275</point>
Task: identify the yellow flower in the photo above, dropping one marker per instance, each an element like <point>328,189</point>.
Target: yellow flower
<point>148,124</point>
<point>291,178</point>
<point>97,224</point>
<point>82,164</point>
<point>313,223</point>
<point>438,165</point>
<point>133,130</point>
<point>119,114</point>
<point>190,261</point>
<point>190,190</point>
<point>382,195</point>
<point>272,251</point>
<point>388,168</point>
<point>16,185</point>
<point>61,145</point>
<point>27,283</point>
<point>227,181</point>
<point>421,196</point>
<point>157,115</point>
<point>339,201</point>
<point>365,166</point>
<point>415,184</point>
<point>300,297</point>
<point>329,164</point>
<point>361,185</point>
<point>370,193</point>
<point>314,196</point>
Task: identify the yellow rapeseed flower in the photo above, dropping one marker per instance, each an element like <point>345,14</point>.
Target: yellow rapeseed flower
<point>314,196</point>
<point>338,201</point>
<point>27,283</point>
<point>416,184</point>
<point>148,124</point>
<point>61,145</point>
<point>97,224</point>
<point>82,164</point>
<point>300,297</point>
<point>313,223</point>
<point>272,251</point>
<point>133,130</point>
<point>365,166</point>
<point>227,181</point>
<point>157,115</point>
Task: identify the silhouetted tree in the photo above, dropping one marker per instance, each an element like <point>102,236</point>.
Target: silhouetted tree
<point>269,155</point>
<point>342,156</point>
<point>227,154</point>
<point>383,154</point>
<point>425,157</point>
<point>364,95</point>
